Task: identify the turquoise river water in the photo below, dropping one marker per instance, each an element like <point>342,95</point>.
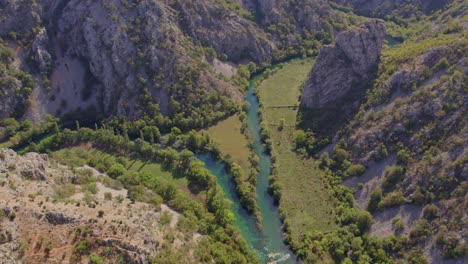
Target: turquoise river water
<point>267,243</point>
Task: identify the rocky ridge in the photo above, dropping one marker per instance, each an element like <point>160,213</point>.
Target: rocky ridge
<point>352,62</point>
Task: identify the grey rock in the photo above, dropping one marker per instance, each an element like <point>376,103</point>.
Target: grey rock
<point>57,218</point>
<point>33,174</point>
<point>432,56</point>
<point>352,61</point>
<point>40,48</point>
<point>402,80</point>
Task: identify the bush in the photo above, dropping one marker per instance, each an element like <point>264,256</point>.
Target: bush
<point>64,191</point>
<point>95,259</point>
<point>82,247</point>
<point>355,170</point>
<point>375,199</point>
<point>90,187</point>
<point>398,224</point>
<point>364,221</point>
<point>341,155</point>
<point>430,212</point>
<point>393,199</point>
<point>393,175</point>
<point>116,170</point>
<point>421,229</point>
<point>403,155</point>
<point>108,196</point>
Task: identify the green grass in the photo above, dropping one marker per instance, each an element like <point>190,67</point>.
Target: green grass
<point>77,156</point>
<point>305,198</point>
<point>227,134</point>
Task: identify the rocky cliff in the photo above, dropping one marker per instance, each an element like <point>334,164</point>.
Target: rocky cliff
<point>349,64</point>
<point>147,57</point>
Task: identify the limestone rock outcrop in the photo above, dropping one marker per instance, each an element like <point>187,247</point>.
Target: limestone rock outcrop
<point>349,64</point>
<point>40,51</point>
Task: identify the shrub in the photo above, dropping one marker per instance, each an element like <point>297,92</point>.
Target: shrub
<point>64,191</point>
<point>393,175</point>
<point>393,199</point>
<point>375,198</point>
<point>82,247</point>
<point>403,155</point>
<point>341,155</point>
<point>421,229</point>
<point>100,213</point>
<point>95,259</point>
<point>355,170</point>
<point>165,218</point>
<point>430,212</point>
<point>116,170</point>
<point>364,221</point>
<point>108,196</point>
<point>398,224</point>
<point>90,187</point>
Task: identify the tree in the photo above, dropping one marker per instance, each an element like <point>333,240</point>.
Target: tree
<point>10,125</point>
<point>364,221</point>
<point>300,139</point>
<point>26,125</point>
<point>170,192</point>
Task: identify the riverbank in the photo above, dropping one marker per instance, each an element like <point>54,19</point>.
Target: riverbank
<point>297,182</point>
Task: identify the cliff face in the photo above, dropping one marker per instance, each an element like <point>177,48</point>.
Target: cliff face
<point>350,63</point>
<point>112,55</point>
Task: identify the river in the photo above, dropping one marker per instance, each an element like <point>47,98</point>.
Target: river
<point>267,243</point>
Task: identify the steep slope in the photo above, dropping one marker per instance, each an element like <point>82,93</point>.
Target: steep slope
<point>151,58</point>
<point>405,152</point>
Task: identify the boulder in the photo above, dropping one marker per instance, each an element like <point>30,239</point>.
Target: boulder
<point>57,218</point>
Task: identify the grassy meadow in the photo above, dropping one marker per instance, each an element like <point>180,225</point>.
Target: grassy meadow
<point>227,135</point>
<point>305,198</point>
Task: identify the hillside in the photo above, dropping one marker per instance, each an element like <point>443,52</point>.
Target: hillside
<point>80,215</point>
<point>404,152</point>
<point>169,62</point>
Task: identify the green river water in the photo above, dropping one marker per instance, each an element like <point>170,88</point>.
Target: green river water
<point>267,243</point>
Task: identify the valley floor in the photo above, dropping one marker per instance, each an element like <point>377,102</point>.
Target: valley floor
<point>305,199</point>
